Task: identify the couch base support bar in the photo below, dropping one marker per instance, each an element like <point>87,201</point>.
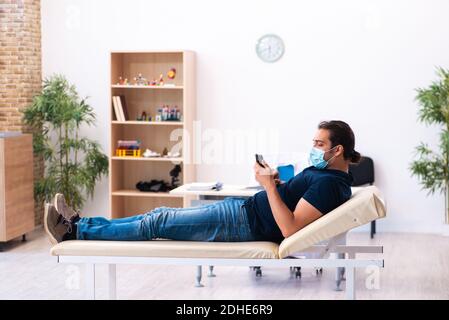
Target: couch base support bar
<point>350,283</point>
<point>349,266</point>
<point>325,263</point>
<point>112,282</point>
<point>90,281</point>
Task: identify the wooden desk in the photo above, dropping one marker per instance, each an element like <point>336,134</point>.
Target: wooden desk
<point>228,190</point>
<point>209,196</point>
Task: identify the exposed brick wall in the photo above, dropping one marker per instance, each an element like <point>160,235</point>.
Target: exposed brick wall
<point>20,68</point>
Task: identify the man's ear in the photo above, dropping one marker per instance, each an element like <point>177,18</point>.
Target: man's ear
<point>341,149</point>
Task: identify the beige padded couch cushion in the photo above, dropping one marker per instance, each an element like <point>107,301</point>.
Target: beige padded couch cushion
<point>168,248</point>
<point>365,205</point>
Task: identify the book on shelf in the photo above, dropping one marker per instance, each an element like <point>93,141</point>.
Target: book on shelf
<point>124,107</point>
<point>116,109</point>
<point>120,108</point>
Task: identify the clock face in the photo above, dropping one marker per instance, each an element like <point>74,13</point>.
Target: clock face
<point>270,48</point>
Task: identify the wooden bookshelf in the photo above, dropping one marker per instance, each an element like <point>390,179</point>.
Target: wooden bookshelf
<point>151,123</point>
<point>147,87</point>
<point>125,172</point>
<point>174,160</point>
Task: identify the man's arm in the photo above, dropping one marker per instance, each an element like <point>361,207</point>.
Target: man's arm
<point>291,222</point>
<point>288,222</point>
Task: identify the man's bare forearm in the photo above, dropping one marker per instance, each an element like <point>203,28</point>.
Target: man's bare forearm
<point>282,214</point>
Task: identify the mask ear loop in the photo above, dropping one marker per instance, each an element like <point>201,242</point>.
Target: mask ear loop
<point>333,156</point>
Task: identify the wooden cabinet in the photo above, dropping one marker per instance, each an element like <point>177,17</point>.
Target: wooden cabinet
<point>16,186</point>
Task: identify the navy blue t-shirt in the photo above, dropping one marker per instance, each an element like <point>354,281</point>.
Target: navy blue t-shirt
<point>325,189</point>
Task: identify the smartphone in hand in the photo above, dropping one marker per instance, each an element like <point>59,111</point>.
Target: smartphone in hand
<point>259,160</point>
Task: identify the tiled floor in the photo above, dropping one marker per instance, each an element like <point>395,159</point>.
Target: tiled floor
<point>416,267</point>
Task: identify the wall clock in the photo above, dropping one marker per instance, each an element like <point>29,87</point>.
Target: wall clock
<point>270,48</point>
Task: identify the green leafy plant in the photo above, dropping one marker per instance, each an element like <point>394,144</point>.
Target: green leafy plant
<point>432,168</point>
<point>73,164</point>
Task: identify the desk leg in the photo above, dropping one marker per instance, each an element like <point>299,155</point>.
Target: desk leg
<point>205,199</point>
<point>202,200</point>
<point>198,277</point>
<point>211,272</point>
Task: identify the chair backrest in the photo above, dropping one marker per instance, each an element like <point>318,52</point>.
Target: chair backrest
<point>362,172</point>
<point>286,172</point>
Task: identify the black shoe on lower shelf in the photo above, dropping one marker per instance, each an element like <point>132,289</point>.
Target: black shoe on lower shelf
<point>152,186</point>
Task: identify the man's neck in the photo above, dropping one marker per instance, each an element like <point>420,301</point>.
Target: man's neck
<point>339,166</point>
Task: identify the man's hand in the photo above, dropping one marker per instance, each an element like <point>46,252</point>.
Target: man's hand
<point>276,177</point>
<point>267,177</point>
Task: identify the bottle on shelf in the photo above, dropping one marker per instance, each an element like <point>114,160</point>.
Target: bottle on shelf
<point>159,115</point>
<point>177,113</point>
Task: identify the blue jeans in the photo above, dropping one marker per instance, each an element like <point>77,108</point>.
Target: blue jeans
<point>224,221</point>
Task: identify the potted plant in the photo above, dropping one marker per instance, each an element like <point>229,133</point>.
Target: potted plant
<point>432,167</point>
<point>73,164</point>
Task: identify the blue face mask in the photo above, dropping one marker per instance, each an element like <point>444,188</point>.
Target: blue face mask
<point>316,158</point>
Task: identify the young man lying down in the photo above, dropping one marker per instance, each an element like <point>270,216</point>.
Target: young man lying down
<point>273,214</point>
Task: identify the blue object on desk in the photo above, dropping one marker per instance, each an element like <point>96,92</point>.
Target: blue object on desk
<point>286,172</point>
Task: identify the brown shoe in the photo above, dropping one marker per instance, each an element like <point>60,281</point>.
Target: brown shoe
<point>57,228</point>
<point>63,209</point>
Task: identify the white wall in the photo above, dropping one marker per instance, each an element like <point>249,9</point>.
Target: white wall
<point>358,61</point>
